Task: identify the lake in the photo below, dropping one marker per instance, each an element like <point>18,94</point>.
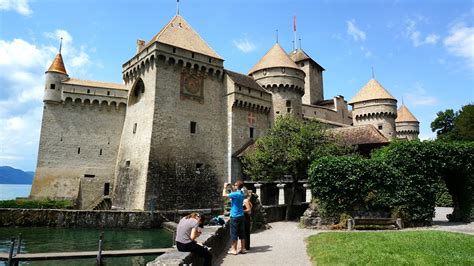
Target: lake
<point>47,239</point>
<point>11,191</point>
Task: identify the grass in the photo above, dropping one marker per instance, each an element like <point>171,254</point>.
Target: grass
<point>391,248</point>
<point>37,204</point>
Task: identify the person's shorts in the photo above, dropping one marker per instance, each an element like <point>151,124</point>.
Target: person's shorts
<point>237,228</point>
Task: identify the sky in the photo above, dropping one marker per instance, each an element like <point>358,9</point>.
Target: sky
<point>421,51</point>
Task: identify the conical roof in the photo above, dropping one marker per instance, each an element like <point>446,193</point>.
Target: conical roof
<point>300,55</point>
<point>275,57</point>
<point>371,91</point>
<point>404,115</point>
<point>57,65</point>
<point>180,34</point>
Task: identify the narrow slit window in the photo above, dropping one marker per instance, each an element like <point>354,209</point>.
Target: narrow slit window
<point>79,150</point>
<point>108,93</point>
<point>288,103</point>
<point>88,91</point>
<point>106,189</point>
<point>193,127</point>
<point>134,128</point>
<point>174,50</point>
<point>192,55</point>
<point>251,132</point>
<point>100,152</point>
<point>89,176</point>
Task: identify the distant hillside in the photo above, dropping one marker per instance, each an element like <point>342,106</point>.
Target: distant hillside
<point>10,175</point>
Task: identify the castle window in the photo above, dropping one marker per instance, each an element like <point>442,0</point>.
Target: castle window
<point>249,91</point>
<point>210,60</point>
<point>193,127</point>
<point>174,50</point>
<point>108,93</point>
<point>380,127</point>
<point>261,94</point>
<point>288,103</point>
<point>79,150</point>
<point>88,91</point>
<point>288,110</point>
<point>264,72</point>
<point>127,163</point>
<point>106,189</point>
<point>192,55</point>
<point>240,88</point>
<point>251,131</point>
<point>89,176</point>
<point>199,165</point>
<point>302,64</point>
<point>52,86</point>
<point>277,112</point>
<point>100,152</point>
<point>283,70</point>
<point>135,128</point>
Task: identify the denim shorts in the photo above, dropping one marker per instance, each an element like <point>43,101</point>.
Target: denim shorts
<point>237,228</point>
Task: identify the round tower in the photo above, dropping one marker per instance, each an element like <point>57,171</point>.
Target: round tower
<point>54,75</point>
<point>374,105</point>
<point>408,127</point>
<point>277,73</point>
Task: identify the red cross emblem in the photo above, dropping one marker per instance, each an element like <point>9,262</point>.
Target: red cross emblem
<point>251,119</point>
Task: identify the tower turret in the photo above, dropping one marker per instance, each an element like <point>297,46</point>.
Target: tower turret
<point>374,105</point>
<point>277,72</point>
<point>54,75</point>
<point>408,127</point>
<point>313,82</point>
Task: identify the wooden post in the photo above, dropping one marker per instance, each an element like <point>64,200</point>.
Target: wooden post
<point>99,253</point>
<point>10,253</point>
<point>18,249</point>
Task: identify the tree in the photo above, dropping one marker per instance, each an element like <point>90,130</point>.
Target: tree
<point>288,149</point>
<point>450,125</point>
<point>443,125</point>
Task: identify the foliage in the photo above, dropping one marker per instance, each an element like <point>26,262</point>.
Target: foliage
<point>450,125</point>
<point>288,149</point>
<point>37,204</point>
<point>402,178</point>
<point>391,248</point>
<point>443,198</point>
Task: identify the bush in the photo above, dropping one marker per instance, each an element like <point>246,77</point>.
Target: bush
<point>37,204</point>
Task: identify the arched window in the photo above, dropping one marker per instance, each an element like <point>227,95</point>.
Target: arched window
<point>138,90</point>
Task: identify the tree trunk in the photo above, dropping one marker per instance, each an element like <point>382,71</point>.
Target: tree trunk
<point>289,207</point>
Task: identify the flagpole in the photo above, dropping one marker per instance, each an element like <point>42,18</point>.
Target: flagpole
<point>294,31</point>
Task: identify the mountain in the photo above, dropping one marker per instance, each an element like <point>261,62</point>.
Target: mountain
<point>10,175</point>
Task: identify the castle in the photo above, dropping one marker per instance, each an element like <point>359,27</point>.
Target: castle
<point>179,104</point>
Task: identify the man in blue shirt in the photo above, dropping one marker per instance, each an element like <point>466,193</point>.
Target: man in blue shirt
<point>237,221</point>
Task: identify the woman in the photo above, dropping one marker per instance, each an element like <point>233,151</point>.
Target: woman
<point>186,233</point>
<point>248,218</point>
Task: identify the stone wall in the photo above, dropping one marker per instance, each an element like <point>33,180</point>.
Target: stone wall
<point>76,218</point>
<point>78,145</point>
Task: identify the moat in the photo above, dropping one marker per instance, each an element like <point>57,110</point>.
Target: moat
<point>46,239</point>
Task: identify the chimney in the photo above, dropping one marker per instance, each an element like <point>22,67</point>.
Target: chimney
<point>140,45</point>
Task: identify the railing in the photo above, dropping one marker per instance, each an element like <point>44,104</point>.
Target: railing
<point>14,258</point>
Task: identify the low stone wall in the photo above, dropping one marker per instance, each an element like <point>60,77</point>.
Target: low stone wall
<point>80,218</point>
<point>277,213</point>
<point>215,237</point>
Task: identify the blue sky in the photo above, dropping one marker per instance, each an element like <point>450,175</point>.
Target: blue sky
<point>422,51</point>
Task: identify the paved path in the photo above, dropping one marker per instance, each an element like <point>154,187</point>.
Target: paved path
<point>283,244</point>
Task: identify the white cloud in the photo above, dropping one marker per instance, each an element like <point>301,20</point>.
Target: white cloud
<point>20,6</point>
<point>245,45</point>
<point>416,36</point>
<point>460,42</point>
<point>22,67</point>
<point>419,96</point>
<point>355,32</point>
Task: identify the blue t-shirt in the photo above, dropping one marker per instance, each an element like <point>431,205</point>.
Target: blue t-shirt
<point>237,202</point>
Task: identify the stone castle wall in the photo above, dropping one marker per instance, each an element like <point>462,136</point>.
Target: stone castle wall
<point>77,151</point>
<point>313,83</point>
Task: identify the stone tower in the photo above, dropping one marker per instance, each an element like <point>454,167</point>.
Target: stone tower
<point>175,115</point>
<point>277,73</point>
<point>374,105</point>
<point>408,127</point>
<point>54,75</point>
<point>313,82</point>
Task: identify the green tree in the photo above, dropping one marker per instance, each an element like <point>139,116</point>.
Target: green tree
<point>464,123</point>
<point>443,125</point>
<point>288,149</point>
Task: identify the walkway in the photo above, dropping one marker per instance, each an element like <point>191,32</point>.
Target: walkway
<point>283,244</point>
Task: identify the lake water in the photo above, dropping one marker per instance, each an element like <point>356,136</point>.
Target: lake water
<point>44,239</point>
<point>11,191</point>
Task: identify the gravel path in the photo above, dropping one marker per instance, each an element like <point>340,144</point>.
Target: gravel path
<point>440,222</point>
<point>283,244</point>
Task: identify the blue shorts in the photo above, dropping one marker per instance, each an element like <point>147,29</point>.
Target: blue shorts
<point>237,228</point>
